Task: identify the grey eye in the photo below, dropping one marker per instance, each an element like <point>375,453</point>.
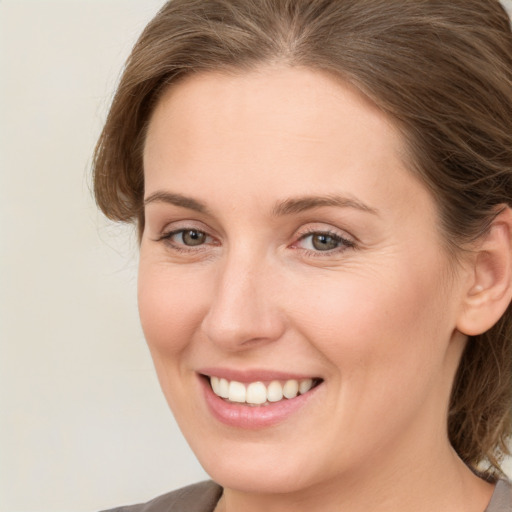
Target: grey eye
<point>324,242</point>
<point>193,237</point>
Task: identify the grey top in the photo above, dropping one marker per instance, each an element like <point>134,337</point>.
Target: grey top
<point>201,497</point>
<point>501,500</point>
<point>204,496</point>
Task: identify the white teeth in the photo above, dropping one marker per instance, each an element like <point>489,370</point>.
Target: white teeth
<point>214,381</point>
<point>236,392</point>
<point>291,389</point>
<point>274,391</point>
<point>256,393</point>
<point>223,388</point>
<point>305,385</point>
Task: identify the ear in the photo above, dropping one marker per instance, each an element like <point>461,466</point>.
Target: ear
<point>488,290</point>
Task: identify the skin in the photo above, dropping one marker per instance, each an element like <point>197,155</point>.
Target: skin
<point>375,318</point>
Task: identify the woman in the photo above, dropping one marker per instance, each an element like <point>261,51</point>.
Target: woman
<point>322,190</point>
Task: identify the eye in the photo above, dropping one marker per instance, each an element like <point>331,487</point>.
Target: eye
<point>192,237</point>
<point>184,238</point>
<point>324,241</point>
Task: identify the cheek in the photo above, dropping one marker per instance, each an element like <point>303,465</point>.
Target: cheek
<point>170,307</point>
<point>384,341</point>
<point>170,310</point>
<point>380,323</point>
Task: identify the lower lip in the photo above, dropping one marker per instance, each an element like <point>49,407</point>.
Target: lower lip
<point>253,417</point>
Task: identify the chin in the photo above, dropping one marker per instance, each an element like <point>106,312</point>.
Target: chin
<point>258,479</point>
<point>260,468</point>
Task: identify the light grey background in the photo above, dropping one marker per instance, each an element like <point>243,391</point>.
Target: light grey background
<point>83,424</point>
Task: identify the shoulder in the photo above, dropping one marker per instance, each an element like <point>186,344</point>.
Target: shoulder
<point>501,500</point>
<point>201,497</point>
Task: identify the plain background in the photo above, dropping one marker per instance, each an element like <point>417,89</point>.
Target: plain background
<point>83,424</point>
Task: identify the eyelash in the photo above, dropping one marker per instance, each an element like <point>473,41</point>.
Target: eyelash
<point>345,242</point>
<point>167,238</point>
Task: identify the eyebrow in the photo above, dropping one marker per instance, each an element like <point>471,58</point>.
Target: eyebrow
<point>282,208</point>
<point>302,204</point>
<point>176,200</point>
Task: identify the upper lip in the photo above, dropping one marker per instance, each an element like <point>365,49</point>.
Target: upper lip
<point>253,375</point>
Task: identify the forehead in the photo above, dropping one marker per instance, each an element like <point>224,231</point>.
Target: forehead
<point>289,101</point>
<point>285,129</point>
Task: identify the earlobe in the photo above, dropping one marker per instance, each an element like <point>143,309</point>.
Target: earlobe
<point>489,289</point>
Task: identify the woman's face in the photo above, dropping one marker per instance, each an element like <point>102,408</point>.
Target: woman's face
<point>287,243</point>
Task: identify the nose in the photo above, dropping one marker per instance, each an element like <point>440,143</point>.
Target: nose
<point>243,312</point>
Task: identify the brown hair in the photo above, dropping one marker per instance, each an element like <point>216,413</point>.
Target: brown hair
<point>442,70</point>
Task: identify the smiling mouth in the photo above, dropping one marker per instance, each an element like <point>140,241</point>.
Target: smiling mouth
<point>258,393</point>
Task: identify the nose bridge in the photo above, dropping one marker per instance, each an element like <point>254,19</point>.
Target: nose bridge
<point>241,309</point>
